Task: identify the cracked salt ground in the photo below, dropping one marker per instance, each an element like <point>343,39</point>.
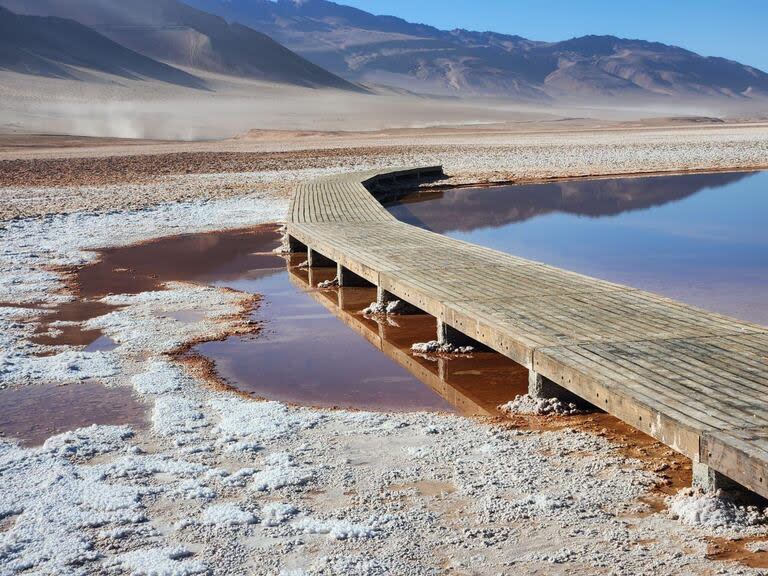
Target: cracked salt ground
<point>224,485</point>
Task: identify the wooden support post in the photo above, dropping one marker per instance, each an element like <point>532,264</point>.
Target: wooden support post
<point>348,279</point>
<point>542,387</point>
<point>294,246</point>
<point>317,260</point>
<point>447,334</point>
<point>383,296</point>
<point>710,480</point>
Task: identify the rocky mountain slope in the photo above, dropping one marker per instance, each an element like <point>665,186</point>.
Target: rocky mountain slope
<point>175,33</point>
<point>62,48</point>
<point>388,50</point>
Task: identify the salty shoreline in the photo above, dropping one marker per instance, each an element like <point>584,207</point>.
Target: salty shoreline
<point>229,485</point>
<point>67,180</point>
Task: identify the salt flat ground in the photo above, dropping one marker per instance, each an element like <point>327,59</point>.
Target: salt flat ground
<point>225,485</point>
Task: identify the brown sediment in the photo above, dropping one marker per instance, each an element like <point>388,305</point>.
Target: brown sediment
<point>142,168</point>
<point>656,457</point>
<point>238,324</point>
<point>23,305</point>
<point>425,487</point>
<point>725,549</point>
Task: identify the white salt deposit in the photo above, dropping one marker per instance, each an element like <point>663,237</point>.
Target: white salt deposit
<point>433,346</point>
<point>278,474</point>
<point>698,508</point>
<point>375,309</point>
<point>227,515</point>
<point>277,513</point>
<point>65,367</point>
<point>159,378</point>
<point>52,500</point>
<point>526,404</point>
<point>336,529</point>
<point>259,421</point>
<point>175,561</point>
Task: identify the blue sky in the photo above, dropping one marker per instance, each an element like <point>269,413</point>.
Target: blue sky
<point>735,29</point>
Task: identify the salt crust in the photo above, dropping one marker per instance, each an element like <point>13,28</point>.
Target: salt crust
<point>103,498</point>
<point>227,515</point>
<point>697,508</point>
<point>525,404</point>
<point>172,561</point>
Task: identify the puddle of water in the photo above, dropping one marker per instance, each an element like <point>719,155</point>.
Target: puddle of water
<point>305,355</point>
<point>308,354</point>
<point>147,266</point>
<point>34,413</point>
<point>200,258</point>
<point>186,316</point>
<point>101,344</point>
<point>74,334</point>
<point>697,238</point>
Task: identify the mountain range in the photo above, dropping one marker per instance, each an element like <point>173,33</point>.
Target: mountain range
<point>321,44</point>
<point>62,48</point>
<point>382,49</point>
<point>169,32</point>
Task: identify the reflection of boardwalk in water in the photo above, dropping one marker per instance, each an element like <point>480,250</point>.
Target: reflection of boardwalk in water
<point>475,385</point>
<point>693,379</point>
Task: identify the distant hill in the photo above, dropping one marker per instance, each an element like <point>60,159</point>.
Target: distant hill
<point>180,35</point>
<point>383,49</point>
<point>61,48</point>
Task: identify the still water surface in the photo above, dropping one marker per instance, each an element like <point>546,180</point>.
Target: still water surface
<point>701,239</point>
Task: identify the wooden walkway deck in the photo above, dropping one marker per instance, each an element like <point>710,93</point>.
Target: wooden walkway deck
<point>695,380</point>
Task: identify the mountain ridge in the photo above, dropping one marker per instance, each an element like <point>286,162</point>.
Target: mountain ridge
<point>62,48</point>
<point>384,49</point>
<point>181,35</point>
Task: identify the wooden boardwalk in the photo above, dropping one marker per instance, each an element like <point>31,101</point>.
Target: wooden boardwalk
<point>695,380</point>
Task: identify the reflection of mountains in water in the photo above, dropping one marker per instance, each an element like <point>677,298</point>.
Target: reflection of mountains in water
<point>471,208</point>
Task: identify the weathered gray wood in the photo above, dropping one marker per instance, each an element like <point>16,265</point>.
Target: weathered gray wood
<point>696,380</point>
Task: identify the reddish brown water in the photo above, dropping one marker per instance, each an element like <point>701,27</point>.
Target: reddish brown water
<point>74,335</point>
<point>204,258</point>
<point>147,266</point>
<point>318,349</point>
<point>34,413</point>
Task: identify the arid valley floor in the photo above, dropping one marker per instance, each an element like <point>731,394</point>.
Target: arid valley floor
<point>223,484</point>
